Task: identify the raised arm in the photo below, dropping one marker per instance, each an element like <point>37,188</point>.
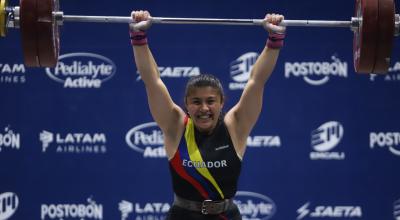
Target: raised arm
<point>165,112</point>
<point>243,116</point>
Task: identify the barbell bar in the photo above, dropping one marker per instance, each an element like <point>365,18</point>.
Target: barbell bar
<point>374,24</point>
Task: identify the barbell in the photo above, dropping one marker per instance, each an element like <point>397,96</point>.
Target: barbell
<point>375,23</point>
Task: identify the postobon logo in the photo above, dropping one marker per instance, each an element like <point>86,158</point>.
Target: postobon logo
<point>8,205</point>
<point>390,140</point>
<point>240,70</point>
<point>316,73</point>
<point>147,139</point>
<point>254,206</point>
<point>92,210</point>
<point>324,139</point>
<point>9,139</point>
<point>321,211</point>
<point>82,70</point>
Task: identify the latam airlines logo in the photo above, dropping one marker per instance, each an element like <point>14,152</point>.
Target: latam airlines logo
<point>254,206</point>
<point>324,139</point>
<point>12,73</point>
<point>240,70</point>
<point>149,210</point>
<point>82,70</point>
<point>147,139</point>
<point>389,140</point>
<point>317,73</point>
<point>8,205</point>
<point>74,143</point>
<point>329,211</point>
<point>61,211</point>
<point>392,76</point>
<point>176,72</point>
<point>9,139</point>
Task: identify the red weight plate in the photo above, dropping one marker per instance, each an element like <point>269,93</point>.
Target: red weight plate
<point>48,35</point>
<point>28,19</point>
<point>365,38</point>
<point>386,29</point>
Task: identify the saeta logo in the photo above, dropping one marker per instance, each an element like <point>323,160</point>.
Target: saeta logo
<point>317,73</point>
<point>8,205</point>
<point>324,139</point>
<point>338,212</point>
<point>254,206</point>
<point>176,72</point>
<point>82,70</point>
<point>240,70</point>
<point>146,139</point>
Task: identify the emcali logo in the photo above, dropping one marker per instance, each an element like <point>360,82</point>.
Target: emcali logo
<point>146,139</point>
<point>8,205</point>
<point>82,70</point>
<point>324,139</point>
<point>316,73</point>
<point>240,70</point>
<point>254,206</point>
<point>322,211</point>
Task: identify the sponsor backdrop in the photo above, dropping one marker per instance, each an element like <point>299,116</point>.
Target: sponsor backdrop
<point>78,142</point>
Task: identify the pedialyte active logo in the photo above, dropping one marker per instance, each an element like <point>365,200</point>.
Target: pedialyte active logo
<point>143,210</point>
<point>8,205</point>
<point>12,73</point>
<point>255,206</point>
<point>389,140</point>
<point>307,211</point>
<point>240,70</point>
<point>78,211</point>
<point>317,73</point>
<point>146,139</point>
<point>324,139</point>
<point>176,72</point>
<point>9,139</point>
<point>73,143</point>
<point>82,70</point>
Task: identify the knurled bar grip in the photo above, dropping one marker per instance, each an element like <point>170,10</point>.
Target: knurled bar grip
<point>211,21</point>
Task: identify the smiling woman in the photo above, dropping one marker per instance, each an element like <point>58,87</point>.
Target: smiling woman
<point>204,146</point>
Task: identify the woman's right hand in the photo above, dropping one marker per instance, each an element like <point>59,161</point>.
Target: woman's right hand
<point>141,21</point>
